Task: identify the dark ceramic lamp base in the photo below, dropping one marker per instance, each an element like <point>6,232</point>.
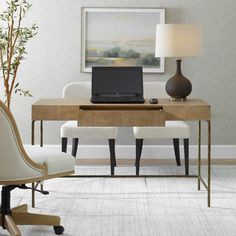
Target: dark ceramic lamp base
<point>178,87</point>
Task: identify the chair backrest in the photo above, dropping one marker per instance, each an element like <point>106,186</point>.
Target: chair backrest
<point>83,90</point>
<point>77,90</point>
<point>15,165</point>
<point>155,90</point>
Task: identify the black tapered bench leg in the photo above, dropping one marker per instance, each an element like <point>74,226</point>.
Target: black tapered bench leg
<point>75,142</point>
<point>186,155</point>
<point>64,144</point>
<point>139,146</point>
<point>176,148</point>
<point>112,155</point>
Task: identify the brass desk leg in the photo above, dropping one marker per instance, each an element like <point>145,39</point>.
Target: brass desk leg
<point>32,132</point>
<point>41,133</point>
<point>199,154</point>
<point>209,163</point>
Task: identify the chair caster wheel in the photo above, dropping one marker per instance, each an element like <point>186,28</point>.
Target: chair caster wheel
<point>58,229</point>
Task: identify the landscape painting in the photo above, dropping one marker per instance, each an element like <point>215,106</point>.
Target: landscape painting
<point>121,37</point>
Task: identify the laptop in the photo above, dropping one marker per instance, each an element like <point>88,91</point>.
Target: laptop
<point>117,85</point>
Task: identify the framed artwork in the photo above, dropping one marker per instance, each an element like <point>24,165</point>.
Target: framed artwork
<point>120,37</point>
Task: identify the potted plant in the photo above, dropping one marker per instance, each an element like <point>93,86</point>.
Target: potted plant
<point>13,39</point>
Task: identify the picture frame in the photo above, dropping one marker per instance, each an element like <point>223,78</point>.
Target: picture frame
<point>120,37</point>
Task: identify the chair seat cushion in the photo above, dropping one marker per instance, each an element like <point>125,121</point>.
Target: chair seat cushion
<point>57,162</point>
<point>172,129</point>
<point>71,130</point>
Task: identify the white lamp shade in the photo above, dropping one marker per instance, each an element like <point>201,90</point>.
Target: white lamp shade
<point>178,40</point>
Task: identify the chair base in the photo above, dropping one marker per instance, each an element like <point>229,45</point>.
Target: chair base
<point>20,216</point>
<point>10,218</point>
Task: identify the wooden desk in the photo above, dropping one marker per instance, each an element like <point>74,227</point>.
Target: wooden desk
<point>83,110</point>
<point>67,109</point>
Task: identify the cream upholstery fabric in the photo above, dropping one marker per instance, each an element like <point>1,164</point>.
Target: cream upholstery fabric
<point>13,165</point>
<point>70,128</point>
<point>77,90</point>
<point>172,129</point>
<point>57,162</point>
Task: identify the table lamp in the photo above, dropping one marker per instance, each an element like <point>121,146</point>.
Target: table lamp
<point>178,40</point>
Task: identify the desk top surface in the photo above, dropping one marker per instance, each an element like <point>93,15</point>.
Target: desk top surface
<point>78,102</point>
<point>67,109</point>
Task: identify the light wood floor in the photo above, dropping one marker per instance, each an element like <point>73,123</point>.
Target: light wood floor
<point>137,206</point>
<point>171,161</point>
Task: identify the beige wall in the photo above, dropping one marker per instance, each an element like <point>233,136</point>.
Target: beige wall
<point>54,59</point>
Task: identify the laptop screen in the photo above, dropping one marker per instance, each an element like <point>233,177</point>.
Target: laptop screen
<point>117,80</point>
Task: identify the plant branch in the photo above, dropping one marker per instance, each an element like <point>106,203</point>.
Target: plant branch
<point>15,73</point>
<point>8,39</point>
<point>18,28</point>
<point>19,56</point>
<point>2,64</point>
<point>11,50</point>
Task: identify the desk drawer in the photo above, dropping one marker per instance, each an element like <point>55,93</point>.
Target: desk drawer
<point>100,117</point>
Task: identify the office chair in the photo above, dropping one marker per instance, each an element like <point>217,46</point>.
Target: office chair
<point>172,129</point>
<point>17,168</point>
<point>82,90</point>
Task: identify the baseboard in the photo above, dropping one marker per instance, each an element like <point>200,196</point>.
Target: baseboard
<point>151,152</point>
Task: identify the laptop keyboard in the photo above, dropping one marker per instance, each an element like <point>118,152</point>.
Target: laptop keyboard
<point>122,99</point>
